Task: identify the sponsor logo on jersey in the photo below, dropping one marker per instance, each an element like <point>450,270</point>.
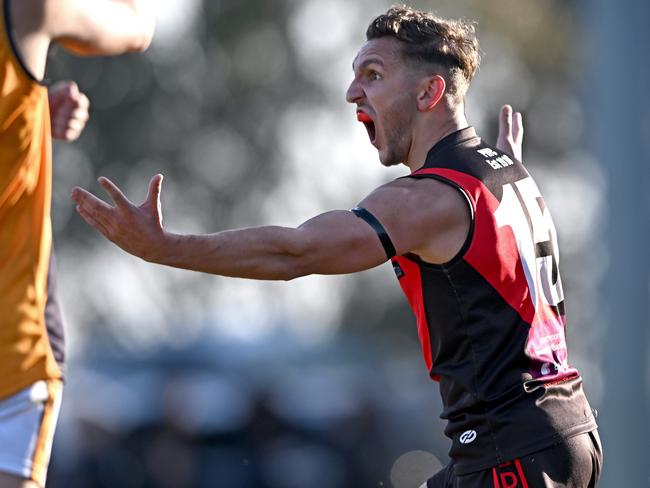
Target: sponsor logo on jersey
<point>467,437</point>
<point>494,160</point>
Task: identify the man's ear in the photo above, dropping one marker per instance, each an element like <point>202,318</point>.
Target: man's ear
<point>431,93</point>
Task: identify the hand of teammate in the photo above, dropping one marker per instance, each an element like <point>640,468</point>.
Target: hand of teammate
<point>136,229</point>
<point>511,132</point>
<point>68,110</point>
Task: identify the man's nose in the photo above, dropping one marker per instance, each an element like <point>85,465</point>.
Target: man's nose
<point>354,93</point>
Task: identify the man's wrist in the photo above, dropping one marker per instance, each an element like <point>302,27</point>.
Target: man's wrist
<point>162,249</point>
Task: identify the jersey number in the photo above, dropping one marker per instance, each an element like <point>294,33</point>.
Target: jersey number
<point>523,209</point>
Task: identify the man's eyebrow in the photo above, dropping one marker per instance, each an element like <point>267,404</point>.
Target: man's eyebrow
<point>368,61</point>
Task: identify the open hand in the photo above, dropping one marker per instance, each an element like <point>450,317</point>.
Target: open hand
<point>136,229</point>
<point>68,110</point>
<point>511,132</point>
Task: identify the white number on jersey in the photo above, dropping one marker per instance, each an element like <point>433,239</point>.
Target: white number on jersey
<point>522,208</point>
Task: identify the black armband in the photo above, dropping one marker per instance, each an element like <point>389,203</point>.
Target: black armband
<point>363,214</point>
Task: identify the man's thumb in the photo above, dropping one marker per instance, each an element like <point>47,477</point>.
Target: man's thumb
<point>155,185</point>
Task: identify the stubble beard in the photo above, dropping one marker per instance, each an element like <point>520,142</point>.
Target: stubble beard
<point>399,120</point>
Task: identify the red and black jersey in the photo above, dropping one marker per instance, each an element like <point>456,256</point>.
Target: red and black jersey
<point>491,321</point>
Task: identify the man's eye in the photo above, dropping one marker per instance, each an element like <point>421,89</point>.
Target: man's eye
<point>373,75</point>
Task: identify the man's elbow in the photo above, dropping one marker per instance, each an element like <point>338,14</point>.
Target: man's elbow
<point>299,265</point>
<point>292,274</point>
<point>142,41</point>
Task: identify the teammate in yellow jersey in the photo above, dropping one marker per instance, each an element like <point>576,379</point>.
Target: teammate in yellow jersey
<point>31,336</point>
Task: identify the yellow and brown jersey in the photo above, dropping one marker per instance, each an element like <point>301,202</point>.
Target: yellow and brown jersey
<point>26,352</point>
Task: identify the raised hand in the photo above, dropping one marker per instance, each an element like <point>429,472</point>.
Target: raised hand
<point>511,132</point>
<point>68,110</point>
<point>138,229</point>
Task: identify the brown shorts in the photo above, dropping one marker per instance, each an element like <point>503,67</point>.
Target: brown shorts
<point>574,463</point>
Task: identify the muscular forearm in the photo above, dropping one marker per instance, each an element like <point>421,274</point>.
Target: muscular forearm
<point>263,253</point>
<point>335,242</point>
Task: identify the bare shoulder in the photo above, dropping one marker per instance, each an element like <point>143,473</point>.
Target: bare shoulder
<point>422,215</point>
<point>28,16</point>
<point>426,196</point>
<point>28,20</point>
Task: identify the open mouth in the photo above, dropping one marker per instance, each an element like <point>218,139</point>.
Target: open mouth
<point>368,123</point>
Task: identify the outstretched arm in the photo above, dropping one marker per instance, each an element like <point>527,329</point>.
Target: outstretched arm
<point>423,216</point>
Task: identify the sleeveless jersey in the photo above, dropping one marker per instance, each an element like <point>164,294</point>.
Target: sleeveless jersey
<point>26,352</point>
<point>491,321</point>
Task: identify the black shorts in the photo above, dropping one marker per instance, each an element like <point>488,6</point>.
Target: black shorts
<point>574,463</point>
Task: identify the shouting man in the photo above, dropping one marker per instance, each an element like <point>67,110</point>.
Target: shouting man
<point>470,239</point>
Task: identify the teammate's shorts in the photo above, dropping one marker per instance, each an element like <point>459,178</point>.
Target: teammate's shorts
<point>27,423</point>
<point>576,462</point>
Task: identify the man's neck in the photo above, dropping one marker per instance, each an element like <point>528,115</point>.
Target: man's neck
<point>429,136</point>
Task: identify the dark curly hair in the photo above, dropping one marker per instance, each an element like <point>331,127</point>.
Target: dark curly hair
<point>429,41</point>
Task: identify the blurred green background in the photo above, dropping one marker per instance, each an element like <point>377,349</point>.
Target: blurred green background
<point>182,379</point>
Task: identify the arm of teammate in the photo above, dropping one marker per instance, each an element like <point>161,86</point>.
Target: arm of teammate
<point>422,216</point>
<point>92,27</point>
<point>511,132</point>
<point>68,110</point>
<point>87,27</point>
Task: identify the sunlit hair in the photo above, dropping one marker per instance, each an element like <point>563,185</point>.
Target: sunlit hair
<point>430,41</point>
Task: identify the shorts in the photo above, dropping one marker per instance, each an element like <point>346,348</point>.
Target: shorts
<point>27,423</point>
<point>574,463</point>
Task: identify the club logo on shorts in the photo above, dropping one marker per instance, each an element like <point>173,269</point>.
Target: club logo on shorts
<point>467,437</point>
